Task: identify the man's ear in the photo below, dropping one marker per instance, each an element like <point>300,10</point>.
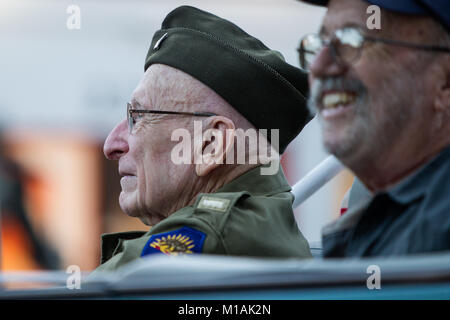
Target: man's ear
<point>442,82</point>
<point>217,142</point>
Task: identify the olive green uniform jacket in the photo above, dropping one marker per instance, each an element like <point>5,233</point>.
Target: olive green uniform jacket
<point>250,216</point>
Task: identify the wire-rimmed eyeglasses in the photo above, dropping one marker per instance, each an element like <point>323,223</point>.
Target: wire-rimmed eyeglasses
<point>132,114</point>
<point>346,45</point>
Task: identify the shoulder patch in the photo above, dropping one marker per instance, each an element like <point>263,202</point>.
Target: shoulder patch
<point>177,242</point>
<point>213,203</point>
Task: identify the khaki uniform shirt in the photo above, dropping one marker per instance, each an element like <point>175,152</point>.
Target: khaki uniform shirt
<point>250,216</point>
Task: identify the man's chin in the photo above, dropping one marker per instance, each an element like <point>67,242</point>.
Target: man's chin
<point>342,139</point>
<point>341,148</point>
<point>130,212</point>
<point>149,221</point>
<point>127,203</point>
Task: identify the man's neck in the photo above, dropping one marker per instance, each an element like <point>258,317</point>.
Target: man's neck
<point>220,178</point>
<point>382,171</point>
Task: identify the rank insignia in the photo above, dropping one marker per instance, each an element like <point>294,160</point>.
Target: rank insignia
<point>177,242</point>
<point>213,203</point>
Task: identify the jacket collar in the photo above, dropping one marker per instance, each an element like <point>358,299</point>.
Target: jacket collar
<point>406,191</point>
<point>257,184</point>
<point>418,183</point>
<point>111,242</point>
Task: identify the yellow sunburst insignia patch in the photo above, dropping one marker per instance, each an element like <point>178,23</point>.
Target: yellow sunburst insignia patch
<point>173,245</point>
<point>178,242</point>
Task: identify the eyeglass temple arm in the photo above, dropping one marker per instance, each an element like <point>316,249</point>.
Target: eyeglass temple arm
<point>410,45</point>
<point>197,114</point>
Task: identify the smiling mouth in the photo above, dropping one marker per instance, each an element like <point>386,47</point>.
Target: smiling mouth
<point>335,103</point>
<point>332,100</point>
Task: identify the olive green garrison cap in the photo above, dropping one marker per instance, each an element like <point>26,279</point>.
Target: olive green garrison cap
<point>255,80</point>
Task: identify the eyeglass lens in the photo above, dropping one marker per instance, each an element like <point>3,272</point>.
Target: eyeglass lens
<point>345,46</point>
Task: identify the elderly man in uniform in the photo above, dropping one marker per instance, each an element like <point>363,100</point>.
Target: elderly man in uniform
<point>382,97</point>
<point>203,68</point>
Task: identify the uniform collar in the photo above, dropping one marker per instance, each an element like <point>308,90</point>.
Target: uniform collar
<point>257,184</point>
<point>111,242</point>
<point>419,183</point>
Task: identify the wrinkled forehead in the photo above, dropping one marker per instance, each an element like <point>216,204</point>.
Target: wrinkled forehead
<point>343,13</point>
<point>151,87</point>
<point>164,87</point>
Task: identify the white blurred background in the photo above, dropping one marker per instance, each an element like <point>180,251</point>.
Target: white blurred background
<point>62,91</point>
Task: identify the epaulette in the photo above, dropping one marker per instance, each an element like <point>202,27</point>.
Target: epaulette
<point>218,202</point>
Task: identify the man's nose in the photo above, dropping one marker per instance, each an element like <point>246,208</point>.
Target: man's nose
<point>326,65</point>
<point>116,144</point>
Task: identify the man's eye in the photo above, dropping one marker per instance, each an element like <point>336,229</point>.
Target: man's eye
<point>136,117</point>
